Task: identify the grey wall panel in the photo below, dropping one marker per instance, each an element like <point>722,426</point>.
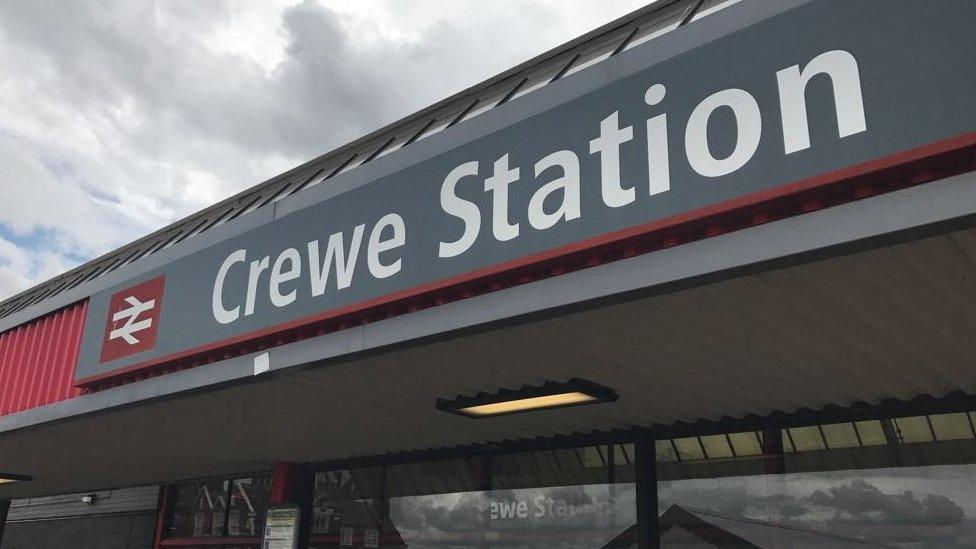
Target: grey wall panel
<point>123,500</point>
<point>121,531</point>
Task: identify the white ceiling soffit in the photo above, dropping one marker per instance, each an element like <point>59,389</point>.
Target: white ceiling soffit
<point>895,321</point>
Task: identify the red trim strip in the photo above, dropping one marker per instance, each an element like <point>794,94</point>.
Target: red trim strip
<point>161,518</point>
<point>282,483</point>
<point>183,542</point>
<point>859,181</point>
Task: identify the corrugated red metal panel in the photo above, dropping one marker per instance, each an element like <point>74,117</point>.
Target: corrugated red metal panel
<point>37,360</point>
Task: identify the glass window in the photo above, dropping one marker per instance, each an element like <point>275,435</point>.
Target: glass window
<point>567,498</point>
<point>199,510</point>
<point>716,446</point>
<point>745,444</point>
<point>346,502</point>
<point>886,483</point>
<point>688,448</point>
<point>248,502</point>
<point>664,451</point>
<point>218,508</point>
<point>806,439</point>
<point>840,435</point>
<point>951,426</point>
<point>913,429</point>
<point>870,433</point>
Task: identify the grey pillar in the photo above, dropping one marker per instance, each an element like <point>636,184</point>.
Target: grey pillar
<point>4,509</point>
<point>648,535</point>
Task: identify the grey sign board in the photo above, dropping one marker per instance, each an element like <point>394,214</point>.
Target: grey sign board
<point>819,88</point>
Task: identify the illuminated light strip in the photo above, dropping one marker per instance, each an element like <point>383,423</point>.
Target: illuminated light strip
<point>526,404</point>
<point>546,397</point>
<point>6,478</point>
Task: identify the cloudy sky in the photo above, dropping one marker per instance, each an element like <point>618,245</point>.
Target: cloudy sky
<point>117,118</point>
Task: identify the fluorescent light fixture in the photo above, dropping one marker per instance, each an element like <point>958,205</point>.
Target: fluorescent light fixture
<point>7,478</point>
<point>550,395</point>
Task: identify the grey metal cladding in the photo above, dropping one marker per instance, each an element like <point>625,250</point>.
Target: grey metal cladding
<point>58,291</point>
<point>122,500</point>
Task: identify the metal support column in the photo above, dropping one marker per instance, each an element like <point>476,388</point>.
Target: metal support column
<point>292,483</point>
<point>304,495</point>
<point>774,465</point>
<point>774,461</point>
<point>4,509</point>
<point>647,526</point>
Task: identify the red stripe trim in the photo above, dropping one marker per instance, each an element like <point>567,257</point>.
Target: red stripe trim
<point>868,175</point>
<point>183,542</point>
<point>282,483</point>
<point>161,514</point>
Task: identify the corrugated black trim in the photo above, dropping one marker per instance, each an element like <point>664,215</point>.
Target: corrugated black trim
<point>956,401</point>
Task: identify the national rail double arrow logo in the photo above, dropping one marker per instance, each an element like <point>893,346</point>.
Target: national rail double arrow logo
<point>133,319</point>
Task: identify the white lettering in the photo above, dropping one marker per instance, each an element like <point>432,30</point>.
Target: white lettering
<point>608,147</point>
<point>222,314</point>
<point>568,183</point>
<point>279,275</point>
<point>658,163</point>
<point>748,132</point>
<point>557,198</point>
<point>257,267</point>
<point>507,509</point>
<point>841,67</point>
<point>465,210</point>
<point>378,246</point>
<point>540,506</point>
<point>501,177</point>
<point>335,255</point>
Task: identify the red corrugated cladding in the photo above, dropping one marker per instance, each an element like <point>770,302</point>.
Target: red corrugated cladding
<point>37,360</point>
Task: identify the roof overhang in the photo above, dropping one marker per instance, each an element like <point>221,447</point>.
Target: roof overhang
<point>857,303</point>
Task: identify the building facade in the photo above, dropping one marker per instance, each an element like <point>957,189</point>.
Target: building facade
<point>700,278</point>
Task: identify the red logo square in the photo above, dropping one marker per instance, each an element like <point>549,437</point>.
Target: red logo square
<point>133,320</point>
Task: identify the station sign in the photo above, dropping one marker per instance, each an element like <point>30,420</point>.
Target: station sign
<point>794,98</point>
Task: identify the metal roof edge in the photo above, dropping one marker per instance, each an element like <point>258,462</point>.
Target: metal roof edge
<point>310,166</point>
<point>41,298</point>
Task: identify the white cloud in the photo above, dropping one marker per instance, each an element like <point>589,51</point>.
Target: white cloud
<point>117,118</point>
<point>19,267</point>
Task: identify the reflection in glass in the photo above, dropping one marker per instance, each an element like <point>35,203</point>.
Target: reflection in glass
<point>902,482</point>
<point>248,502</point>
<point>566,498</point>
<point>564,516</point>
<point>199,509</point>
<point>347,502</point>
<point>219,508</point>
